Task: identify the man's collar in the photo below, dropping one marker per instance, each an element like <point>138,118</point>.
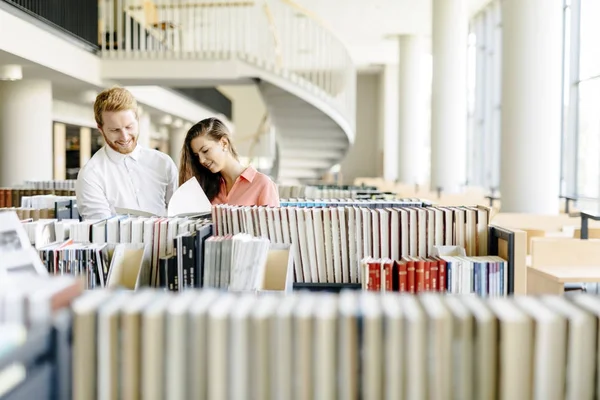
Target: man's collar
<point>117,157</point>
<point>249,173</point>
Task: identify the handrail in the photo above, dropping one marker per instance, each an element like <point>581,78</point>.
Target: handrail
<point>266,34</point>
<point>273,29</point>
<point>307,13</point>
<point>199,5</point>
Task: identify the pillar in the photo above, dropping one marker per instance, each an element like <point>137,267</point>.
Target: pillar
<point>176,139</point>
<point>59,137</point>
<point>448,94</point>
<point>85,145</point>
<point>531,106</point>
<point>145,129</point>
<point>412,92</point>
<point>388,125</point>
<point>25,131</point>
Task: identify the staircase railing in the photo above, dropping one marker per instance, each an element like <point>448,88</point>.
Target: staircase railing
<point>275,35</point>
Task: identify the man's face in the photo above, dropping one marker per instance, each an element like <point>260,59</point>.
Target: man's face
<point>120,130</point>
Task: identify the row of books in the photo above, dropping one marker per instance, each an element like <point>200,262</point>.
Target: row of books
<point>486,276</point>
<point>44,207</point>
<point>132,254</point>
<point>66,184</point>
<point>235,262</point>
<point>12,197</point>
<point>352,202</point>
<point>214,345</point>
<point>35,336</point>
<point>329,242</point>
<point>331,192</point>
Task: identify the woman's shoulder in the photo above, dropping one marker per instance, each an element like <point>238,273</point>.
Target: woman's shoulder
<point>262,178</point>
<point>257,178</point>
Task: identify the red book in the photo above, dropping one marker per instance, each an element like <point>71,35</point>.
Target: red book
<point>433,273</point>
<point>427,264</point>
<point>410,274</point>
<point>441,274</point>
<point>402,276</point>
<point>387,278</point>
<point>419,274</point>
<point>374,275</point>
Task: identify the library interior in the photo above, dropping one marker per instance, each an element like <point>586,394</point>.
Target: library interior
<point>299,199</point>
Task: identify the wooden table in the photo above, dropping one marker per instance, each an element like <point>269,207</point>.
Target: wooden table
<point>551,280</point>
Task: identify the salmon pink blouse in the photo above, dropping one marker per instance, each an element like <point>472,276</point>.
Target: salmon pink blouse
<point>251,188</point>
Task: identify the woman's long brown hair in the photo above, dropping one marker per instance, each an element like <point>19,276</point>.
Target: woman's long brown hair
<point>190,164</point>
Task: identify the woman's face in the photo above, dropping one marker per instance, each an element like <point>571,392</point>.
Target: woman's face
<point>212,154</point>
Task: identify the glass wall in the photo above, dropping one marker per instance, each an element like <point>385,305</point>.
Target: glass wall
<point>580,162</point>
<point>587,87</point>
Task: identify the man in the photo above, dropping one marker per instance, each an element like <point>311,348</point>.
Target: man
<point>123,174</point>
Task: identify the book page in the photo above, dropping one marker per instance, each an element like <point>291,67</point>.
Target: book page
<point>189,199</point>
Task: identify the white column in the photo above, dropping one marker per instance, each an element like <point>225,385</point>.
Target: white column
<point>145,129</point>
<point>176,140</point>
<point>449,96</point>
<point>25,131</point>
<point>531,106</point>
<point>388,117</point>
<point>412,91</point>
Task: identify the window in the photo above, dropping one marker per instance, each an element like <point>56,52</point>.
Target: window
<point>587,86</point>
<point>484,90</point>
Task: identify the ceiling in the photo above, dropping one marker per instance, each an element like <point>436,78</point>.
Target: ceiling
<point>367,28</point>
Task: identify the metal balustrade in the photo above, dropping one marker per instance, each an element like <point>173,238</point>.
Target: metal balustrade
<point>79,18</point>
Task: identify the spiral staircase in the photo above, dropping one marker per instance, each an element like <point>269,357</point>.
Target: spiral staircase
<point>304,73</point>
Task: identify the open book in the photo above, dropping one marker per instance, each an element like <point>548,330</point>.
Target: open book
<point>187,201</point>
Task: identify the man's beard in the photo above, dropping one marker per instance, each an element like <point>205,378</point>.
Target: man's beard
<point>119,147</point>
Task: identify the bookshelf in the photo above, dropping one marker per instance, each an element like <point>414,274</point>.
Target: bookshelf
<point>269,346</point>
<point>44,358</point>
<point>326,287</point>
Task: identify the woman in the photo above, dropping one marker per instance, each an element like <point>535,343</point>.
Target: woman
<point>209,155</point>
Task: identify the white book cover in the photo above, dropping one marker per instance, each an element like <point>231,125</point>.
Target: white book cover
<point>283,335</point>
<point>394,234</point>
<point>285,229</point>
<point>328,244</point>
<point>295,245</point>
<point>278,225</point>
<point>264,225</point>
<point>376,234</point>
<point>430,231</point>
<point>384,232</point>
<point>353,260</point>
<point>310,244</point>
<point>319,243</point>
<point>358,228</point>
<point>404,232</point>
<point>271,224</point>
<point>413,226</point>
<point>125,229</point>
<point>367,233</point>
<point>337,251</point>
<point>237,221</point>
<point>344,244</point>
<point>304,252</point>
<point>581,338</point>
<point>549,350</point>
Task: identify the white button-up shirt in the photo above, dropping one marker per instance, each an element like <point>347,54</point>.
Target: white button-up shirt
<point>144,179</point>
